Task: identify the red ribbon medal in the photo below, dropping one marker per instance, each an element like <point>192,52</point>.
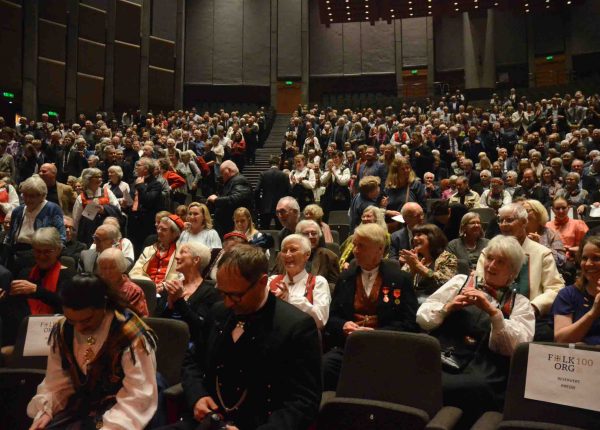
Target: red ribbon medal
<point>397,294</point>
<point>386,291</point>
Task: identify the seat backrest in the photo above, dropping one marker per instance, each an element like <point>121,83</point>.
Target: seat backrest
<point>339,217</point>
<point>17,359</point>
<point>68,262</point>
<point>17,387</point>
<point>333,247</point>
<point>275,234</point>
<point>412,375</point>
<point>336,236</point>
<point>149,290</point>
<point>485,214</point>
<point>342,229</point>
<point>429,203</point>
<point>517,407</point>
<point>173,339</point>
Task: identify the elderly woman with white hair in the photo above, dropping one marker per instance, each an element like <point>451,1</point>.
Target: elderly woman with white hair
<point>322,261</point>
<point>189,297</point>
<point>157,262</point>
<point>469,245</point>
<point>118,187</point>
<point>93,205</point>
<point>479,323</point>
<point>304,290</point>
<point>572,191</point>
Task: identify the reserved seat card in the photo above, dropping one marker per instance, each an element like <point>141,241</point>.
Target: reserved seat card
<point>565,376</point>
<point>38,332</point>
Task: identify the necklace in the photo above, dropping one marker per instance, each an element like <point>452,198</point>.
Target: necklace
<point>237,404</point>
<point>88,355</point>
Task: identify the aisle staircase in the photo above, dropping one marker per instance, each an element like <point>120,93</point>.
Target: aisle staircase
<point>272,147</point>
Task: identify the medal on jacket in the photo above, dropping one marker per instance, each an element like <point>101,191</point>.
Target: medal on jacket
<point>386,291</point>
<point>397,293</point>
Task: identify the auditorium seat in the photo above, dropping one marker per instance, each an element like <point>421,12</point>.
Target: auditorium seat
<point>149,289</point>
<point>17,387</point>
<point>339,217</point>
<point>12,356</point>
<point>406,392</point>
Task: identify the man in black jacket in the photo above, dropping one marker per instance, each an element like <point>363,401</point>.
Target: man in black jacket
<point>258,362</point>
<point>373,294</point>
<point>236,193</point>
<point>272,185</point>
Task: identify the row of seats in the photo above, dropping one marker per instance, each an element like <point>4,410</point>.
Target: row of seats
<point>227,107</point>
<point>361,100</point>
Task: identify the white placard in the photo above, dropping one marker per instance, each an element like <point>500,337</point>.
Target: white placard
<point>38,332</point>
<point>91,210</point>
<point>565,376</point>
<point>595,212</point>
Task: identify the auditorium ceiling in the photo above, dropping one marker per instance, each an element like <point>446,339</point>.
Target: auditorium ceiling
<point>339,11</point>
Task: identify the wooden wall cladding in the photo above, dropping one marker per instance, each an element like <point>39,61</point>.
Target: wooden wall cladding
<point>127,76</point>
<point>128,16</point>
<point>160,88</point>
<point>90,93</point>
<point>53,10</point>
<point>100,4</point>
<point>162,53</point>
<point>51,83</point>
<point>11,46</point>
<point>92,23</point>
<point>90,58</point>
<point>52,40</point>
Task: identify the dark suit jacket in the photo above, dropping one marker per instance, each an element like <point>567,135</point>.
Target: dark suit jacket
<point>399,240</point>
<point>272,185</point>
<point>284,353</point>
<point>236,193</point>
<point>401,317</point>
<point>536,193</point>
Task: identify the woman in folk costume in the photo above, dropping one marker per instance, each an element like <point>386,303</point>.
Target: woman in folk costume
<point>9,199</point>
<point>101,368</point>
<point>103,200</point>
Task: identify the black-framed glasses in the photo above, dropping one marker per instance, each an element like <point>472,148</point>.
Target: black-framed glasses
<point>236,297</point>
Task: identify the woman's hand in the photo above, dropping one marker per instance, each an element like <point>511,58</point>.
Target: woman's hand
<point>384,202</point>
<point>22,287</point>
<point>595,311</point>
<point>581,209</point>
<point>534,236</point>
<point>282,291</point>
<point>411,258</point>
<point>41,422</point>
<point>479,299</point>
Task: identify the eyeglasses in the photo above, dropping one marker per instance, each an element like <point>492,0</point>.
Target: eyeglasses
<point>310,233</point>
<point>506,220</point>
<point>236,297</point>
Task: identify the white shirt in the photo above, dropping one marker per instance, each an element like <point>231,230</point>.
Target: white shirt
<point>319,308</point>
<point>125,246</point>
<point>506,334</point>
<point>136,400</point>
<point>78,206</point>
<point>368,279</point>
<point>341,175</point>
<point>28,225</point>
<point>306,177</point>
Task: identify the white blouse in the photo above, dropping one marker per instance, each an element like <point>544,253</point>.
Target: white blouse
<point>319,308</point>
<point>207,237</point>
<point>136,400</point>
<point>78,207</point>
<point>341,175</point>
<point>506,334</point>
<point>306,177</point>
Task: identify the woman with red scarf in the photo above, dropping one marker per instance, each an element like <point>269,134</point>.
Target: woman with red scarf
<point>35,290</point>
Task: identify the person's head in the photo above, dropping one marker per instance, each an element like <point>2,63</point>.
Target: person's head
<point>34,191</point>
<point>105,237</point>
<point>69,225</point>
<point>547,176</point>
<point>511,178</point>
<point>169,229</point>
<point>369,245</point>
<point>400,173</point>
<point>145,166</point>
<point>589,262</point>
<point>160,215</point>
<point>48,174</point>
<point>232,239</point>
<point>429,239</point>
<point>115,174</point>
<point>529,178</point>
<point>288,212</point>
<point>85,300</point>
<point>370,154</point>
<point>242,278</point>
<point>503,259</point>
<point>295,252</point>
<point>311,230</point>
<point>462,185</point>
<point>181,211</point>
<point>537,215</point>
<point>112,264</point>
<point>91,179</point>
<point>413,214</point>
<point>228,170</point>
<point>560,208</point>
<point>192,256</point>
<point>299,162</point>
<point>373,215</point>
<point>512,219</point>
<point>47,247</point>
<point>369,186</point>
<point>313,212</point>
<point>572,180</point>
<point>470,226</point>
<point>242,220</point>
<point>198,216</point>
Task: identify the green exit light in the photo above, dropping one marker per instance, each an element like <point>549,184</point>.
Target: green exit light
<point>550,58</point>
<point>289,83</point>
<point>8,95</point>
<point>414,72</point>
<point>52,113</point>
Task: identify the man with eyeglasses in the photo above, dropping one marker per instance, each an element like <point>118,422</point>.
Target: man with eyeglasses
<point>288,214</point>
<point>539,278</point>
<point>105,236</point>
<point>258,363</point>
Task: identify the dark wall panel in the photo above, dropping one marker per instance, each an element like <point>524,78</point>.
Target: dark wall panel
<point>52,40</point>
<point>128,22</point>
<point>11,46</point>
<point>51,83</point>
<point>160,88</point>
<point>90,93</point>
<point>100,4</point>
<point>54,10</point>
<point>90,58</point>
<point>162,53</point>
<point>127,76</point>
<point>92,24</point>
<point>164,17</point>
<point>195,94</point>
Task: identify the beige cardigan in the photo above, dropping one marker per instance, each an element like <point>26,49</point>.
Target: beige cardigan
<point>139,270</point>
